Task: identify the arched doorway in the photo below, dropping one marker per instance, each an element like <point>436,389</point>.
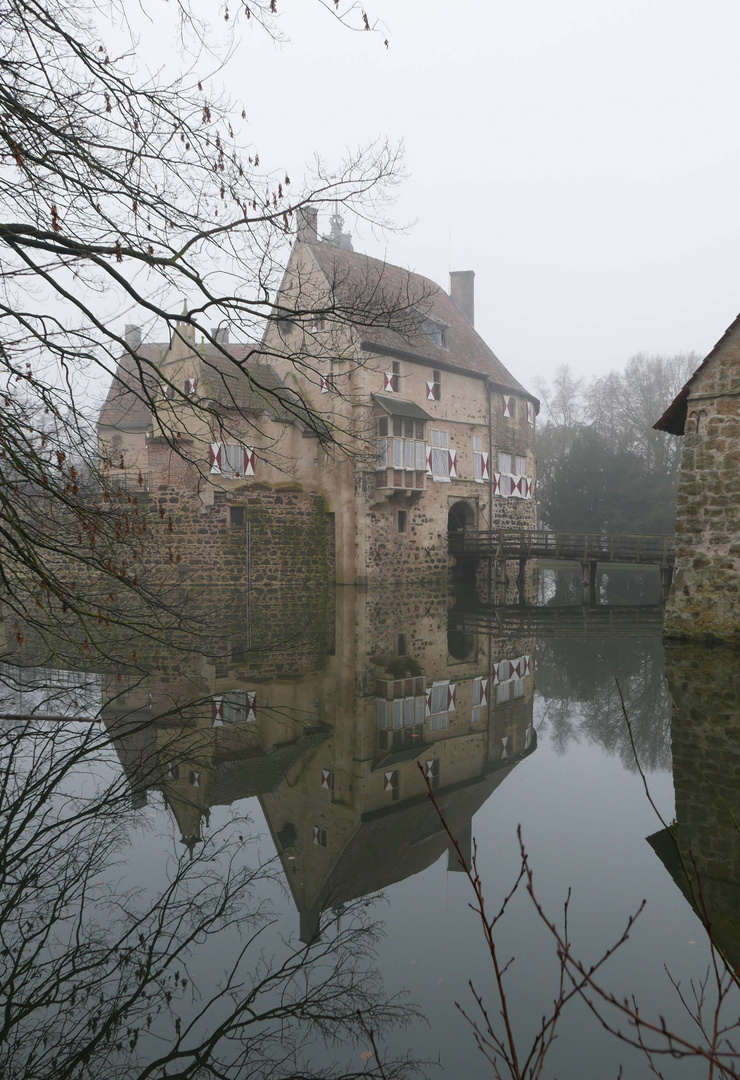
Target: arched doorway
<point>460,516</point>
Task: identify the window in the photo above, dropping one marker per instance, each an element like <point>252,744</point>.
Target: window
<point>434,388</point>
<point>520,463</point>
<point>401,649</point>
<point>436,331</point>
<point>401,521</point>
<point>400,723</point>
<point>396,377</point>
<point>392,785</point>
<point>431,771</point>
<point>509,404</point>
<point>191,385</point>
<point>327,782</point>
<point>480,699</point>
<point>517,688</point>
<point>440,454</point>
<point>228,460</point>
<point>405,449</point>
<point>284,326</point>
<point>235,707</point>
<point>319,836</point>
<point>504,463</point>
<point>237,516</point>
<point>502,693</point>
<point>481,469</point>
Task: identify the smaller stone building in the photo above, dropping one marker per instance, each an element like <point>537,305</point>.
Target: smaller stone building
<point>705,597</point>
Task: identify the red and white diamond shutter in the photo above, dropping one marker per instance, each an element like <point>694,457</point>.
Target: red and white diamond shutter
<point>325,384</point>
<point>429,461</point>
<point>451,697</point>
<point>505,746</point>
<point>248,461</point>
<point>214,457</point>
<point>496,672</point>
<point>217,711</point>
<point>251,706</point>
<point>431,396</point>
<point>429,769</point>
<point>506,400</point>
<point>390,781</point>
<point>528,490</point>
<point>388,382</point>
<point>195,778</point>
<point>326,779</point>
<point>453,464</point>
<point>483,692</point>
<point>497,483</point>
<point>485,466</point>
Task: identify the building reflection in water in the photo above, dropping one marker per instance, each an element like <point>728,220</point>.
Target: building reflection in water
<point>334,755</point>
<point>701,851</point>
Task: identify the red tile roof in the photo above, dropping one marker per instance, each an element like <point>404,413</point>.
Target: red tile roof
<point>377,294</point>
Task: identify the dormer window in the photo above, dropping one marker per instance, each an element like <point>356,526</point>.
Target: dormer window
<point>190,386</point>
<point>437,331</point>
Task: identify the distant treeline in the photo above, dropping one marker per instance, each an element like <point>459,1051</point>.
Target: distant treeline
<point>600,465</point>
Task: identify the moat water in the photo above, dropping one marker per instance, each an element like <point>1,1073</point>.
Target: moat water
<point>283,776</point>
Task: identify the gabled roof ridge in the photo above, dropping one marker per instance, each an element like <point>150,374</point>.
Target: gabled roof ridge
<point>673,419</point>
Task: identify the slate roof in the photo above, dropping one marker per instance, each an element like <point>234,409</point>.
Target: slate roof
<point>673,419</point>
<point>373,290</point>
<point>397,406</point>
<point>250,387</point>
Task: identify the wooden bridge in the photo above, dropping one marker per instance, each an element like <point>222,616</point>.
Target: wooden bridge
<point>588,549</point>
<point>601,620</point>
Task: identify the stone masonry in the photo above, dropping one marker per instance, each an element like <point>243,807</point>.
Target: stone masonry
<point>704,601</point>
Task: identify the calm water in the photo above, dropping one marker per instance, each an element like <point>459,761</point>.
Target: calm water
<point>300,753</point>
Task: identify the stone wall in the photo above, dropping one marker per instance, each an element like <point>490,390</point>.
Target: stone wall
<point>705,597</point>
<point>705,736</point>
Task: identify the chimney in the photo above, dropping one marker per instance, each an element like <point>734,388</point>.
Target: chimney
<point>220,334</point>
<point>307,224</point>
<point>462,291</point>
<point>132,336</point>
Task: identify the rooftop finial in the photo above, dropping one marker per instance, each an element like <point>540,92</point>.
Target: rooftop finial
<point>337,236</point>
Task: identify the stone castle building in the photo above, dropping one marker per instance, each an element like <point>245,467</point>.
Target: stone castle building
<point>372,402</point>
<point>704,601</point>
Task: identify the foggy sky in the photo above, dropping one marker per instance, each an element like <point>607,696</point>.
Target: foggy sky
<point>582,157</point>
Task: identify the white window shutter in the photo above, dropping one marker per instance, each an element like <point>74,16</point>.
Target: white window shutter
<point>248,461</point>
<point>251,706</point>
<point>430,392</point>
<point>497,483</point>
<point>507,404</point>
<point>217,711</point>
<point>324,384</point>
<point>388,382</point>
<point>505,746</point>
<point>451,697</point>
<point>325,779</point>
<point>485,468</point>
<point>453,463</point>
<point>214,457</point>
<point>429,461</point>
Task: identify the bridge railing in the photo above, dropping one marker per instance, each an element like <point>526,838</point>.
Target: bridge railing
<point>571,546</point>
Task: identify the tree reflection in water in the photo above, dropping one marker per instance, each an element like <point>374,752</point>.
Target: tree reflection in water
<point>96,968</point>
